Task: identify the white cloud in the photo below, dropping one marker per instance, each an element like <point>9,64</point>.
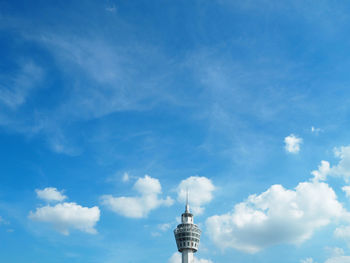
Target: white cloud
<point>125,177</point>
<point>164,227</point>
<point>335,251</point>
<point>322,172</point>
<point>342,169</point>
<point>338,251</point>
<point>200,192</point>
<point>337,256</point>
<point>292,143</point>
<point>67,216</point>
<point>176,258</point>
<point>346,189</point>
<point>111,8</point>
<point>342,232</point>
<point>155,234</point>
<point>315,130</point>
<point>50,194</point>
<point>138,207</point>
<point>335,259</point>
<point>276,216</point>
<point>307,260</point>
<point>338,259</point>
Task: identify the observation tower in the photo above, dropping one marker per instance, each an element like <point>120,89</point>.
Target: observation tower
<point>187,235</point>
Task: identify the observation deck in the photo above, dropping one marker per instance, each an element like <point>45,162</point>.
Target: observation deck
<point>187,234</point>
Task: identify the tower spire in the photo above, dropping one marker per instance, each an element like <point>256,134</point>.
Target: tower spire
<point>187,210</point>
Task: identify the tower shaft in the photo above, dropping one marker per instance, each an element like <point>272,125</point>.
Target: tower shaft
<point>187,256</point>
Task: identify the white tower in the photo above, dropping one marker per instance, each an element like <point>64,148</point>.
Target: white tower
<point>187,235</point>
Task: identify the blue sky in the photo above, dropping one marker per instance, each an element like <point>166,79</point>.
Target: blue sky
<point>109,110</point>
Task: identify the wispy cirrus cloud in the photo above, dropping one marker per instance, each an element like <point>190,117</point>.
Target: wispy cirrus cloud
<point>316,130</point>
<point>98,78</point>
<point>3,221</point>
<point>111,8</point>
<point>318,15</point>
<point>239,94</point>
<point>116,80</point>
<point>16,87</point>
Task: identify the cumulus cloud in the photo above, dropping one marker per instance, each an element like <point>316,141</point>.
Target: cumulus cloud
<point>67,216</point>
<point>342,232</point>
<point>139,206</point>
<point>333,259</point>
<point>50,194</point>
<point>176,258</point>
<point>276,216</point>
<point>307,260</point>
<point>322,172</point>
<point>336,251</point>
<point>337,256</point>
<point>338,259</point>
<point>342,169</point>
<point>200,192</point>
<point>292,143</point>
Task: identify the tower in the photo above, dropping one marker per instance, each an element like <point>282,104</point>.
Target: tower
<point>187,235</point>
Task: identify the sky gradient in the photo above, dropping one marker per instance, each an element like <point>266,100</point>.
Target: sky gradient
<point>110,110</point>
